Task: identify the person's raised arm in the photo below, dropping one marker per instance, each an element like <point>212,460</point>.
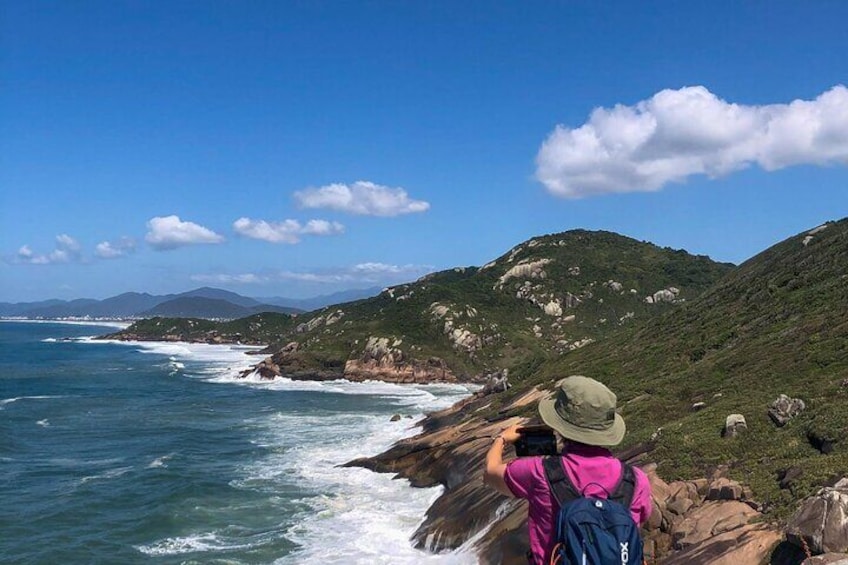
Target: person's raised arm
<point>493,475</point>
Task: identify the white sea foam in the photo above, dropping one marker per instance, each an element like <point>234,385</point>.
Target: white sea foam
<point>190,544</point>
<point>6,401</point>
<point>44,423</point>
<point>355,515</point>
<point>102,323</point>
<point>160,461</point>
<point>106,475</point>
<point>352,515</point>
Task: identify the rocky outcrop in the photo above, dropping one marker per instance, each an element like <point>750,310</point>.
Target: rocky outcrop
<point>734,425</point>
<point>383,360</point>
<point>821,523</point>
<point>693,522</point>
<point>524,269</point>
<point>669,295</point>
<point>784,409</point>
<point>497,381</point>
<point>431,370</point>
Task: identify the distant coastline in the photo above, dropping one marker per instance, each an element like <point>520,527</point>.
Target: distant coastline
<point>106,322</point>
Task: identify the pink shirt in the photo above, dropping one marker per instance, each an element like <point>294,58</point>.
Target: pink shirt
<point>587,467</point>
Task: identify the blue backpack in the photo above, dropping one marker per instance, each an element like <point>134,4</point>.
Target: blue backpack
<point>594,531</point>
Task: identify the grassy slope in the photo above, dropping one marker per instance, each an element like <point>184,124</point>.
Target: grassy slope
<point>515,333</point>
<point>778,324</point>
<point>505,322</point>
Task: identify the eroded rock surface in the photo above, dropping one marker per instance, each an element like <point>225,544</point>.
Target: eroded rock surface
<point>822,520</point>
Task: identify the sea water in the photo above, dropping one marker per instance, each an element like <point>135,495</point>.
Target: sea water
<point>115,452</point>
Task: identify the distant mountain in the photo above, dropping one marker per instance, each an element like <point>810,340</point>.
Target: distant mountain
<point>136,305</point>
<point>219,294</point>
<point>201,307</point>
<point>309,304</point>
<point>20,308</point>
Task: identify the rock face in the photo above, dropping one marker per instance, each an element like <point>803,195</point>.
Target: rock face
<point>693,522</point>
<point>822,520</point>
<point>734,425</point>
<point>383,360</point>
<point>784,409</point>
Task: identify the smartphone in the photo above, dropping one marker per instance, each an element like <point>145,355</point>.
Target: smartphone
<point>535,440</point>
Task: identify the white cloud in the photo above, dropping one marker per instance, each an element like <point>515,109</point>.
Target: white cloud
<point>679,133</point>
<point>245,278</point>
<point>169,232</point>
<point>67,250</point>
<point>287,231</point>
<point>362,273</point>
<point>115,249</point>
<point>362,198</point>
<point>372,273</point>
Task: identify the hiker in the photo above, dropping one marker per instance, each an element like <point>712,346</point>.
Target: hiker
<point>582,413</point>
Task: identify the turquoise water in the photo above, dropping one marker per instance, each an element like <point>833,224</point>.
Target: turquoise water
<point>156,453</point>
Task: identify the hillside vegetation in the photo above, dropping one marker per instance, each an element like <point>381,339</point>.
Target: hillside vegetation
<point>776,325</point>
<point>546,297</point>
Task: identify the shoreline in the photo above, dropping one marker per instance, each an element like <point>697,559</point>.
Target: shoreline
<point>459,555</point>
<point>107,323</point>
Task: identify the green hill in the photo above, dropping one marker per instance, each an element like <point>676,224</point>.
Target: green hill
<point>776,325</point>
<point>545,297</point>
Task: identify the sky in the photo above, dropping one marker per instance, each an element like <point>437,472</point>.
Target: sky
<point>300,148</point>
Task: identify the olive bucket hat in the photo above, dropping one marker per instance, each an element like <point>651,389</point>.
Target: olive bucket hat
<point>583,410</point>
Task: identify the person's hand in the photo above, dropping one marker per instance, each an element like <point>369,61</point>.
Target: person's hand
<point>511,435</point>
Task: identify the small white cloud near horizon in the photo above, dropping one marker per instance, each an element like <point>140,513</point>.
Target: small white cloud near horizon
<point>115,249</point>
<point>169,232</point>
<point>362,198</point>
<point>245,278</point>
<point>690,131</point>
<point>362,273</point>
<point>67,250</point>
<point>287,231</point>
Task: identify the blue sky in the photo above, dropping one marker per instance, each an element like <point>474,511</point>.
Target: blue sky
<point>300,148</point>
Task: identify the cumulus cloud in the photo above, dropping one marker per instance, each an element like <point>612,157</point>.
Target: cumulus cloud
<point>169,232</point>
<point>287,231</point>
<point>115,249</point>
<point>679,133</point>
<point>362,198</point>
<point>67,250</point>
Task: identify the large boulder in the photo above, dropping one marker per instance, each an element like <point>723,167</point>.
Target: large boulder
<point>784,409</point>
<point>821,523</point>
<point>751,543</point>
<point>711,519</point>
<point>827,559</point>
<point>734,425</point>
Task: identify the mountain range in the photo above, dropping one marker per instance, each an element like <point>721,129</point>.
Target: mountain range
<point>210,303</point>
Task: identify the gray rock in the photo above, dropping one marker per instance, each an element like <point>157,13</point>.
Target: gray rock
<point>734,425</point>
<point>827,559</point>
<point>822,521</point>
<point>725,489</point>
<point>784,409</point>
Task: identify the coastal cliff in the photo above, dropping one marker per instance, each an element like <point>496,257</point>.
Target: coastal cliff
<point>723,373</point>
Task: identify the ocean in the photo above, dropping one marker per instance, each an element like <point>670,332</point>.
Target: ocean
<point>115,452</point>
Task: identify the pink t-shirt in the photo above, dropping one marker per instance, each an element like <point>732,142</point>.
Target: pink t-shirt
<point>587,467</point>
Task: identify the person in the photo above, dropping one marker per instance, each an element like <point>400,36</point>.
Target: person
<point>582,412</point>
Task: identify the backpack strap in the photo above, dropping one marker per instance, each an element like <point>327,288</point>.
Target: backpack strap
<point>564,490</point>
<point>561,486</point>
<point>626,488</point>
